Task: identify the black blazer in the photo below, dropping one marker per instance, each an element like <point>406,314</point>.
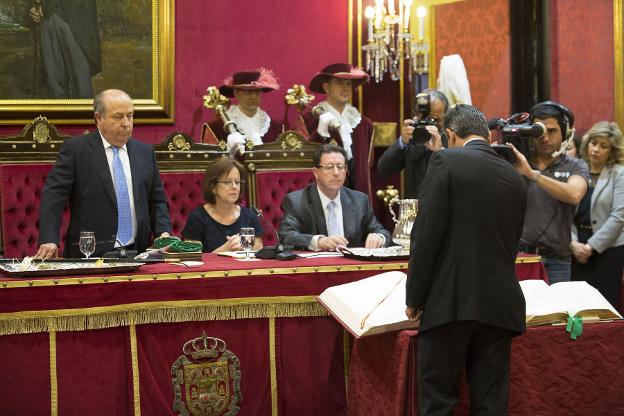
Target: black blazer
<point>465,240</point>
<point>81,176</point>
<point>304,217</point>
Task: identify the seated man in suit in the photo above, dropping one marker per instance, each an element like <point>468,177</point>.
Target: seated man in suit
<point>252,122</point>
<point>326,214</point>
<point>111,182</point>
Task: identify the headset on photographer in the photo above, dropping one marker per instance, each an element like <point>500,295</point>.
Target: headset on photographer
<point>568,117</point>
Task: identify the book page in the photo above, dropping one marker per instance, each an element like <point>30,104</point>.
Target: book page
<point>352,302</point>
<point>540,301</point>
<point>581,296</point>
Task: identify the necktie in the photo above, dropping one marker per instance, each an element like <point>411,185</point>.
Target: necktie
<point>124,214</point>
<point>332,220</point>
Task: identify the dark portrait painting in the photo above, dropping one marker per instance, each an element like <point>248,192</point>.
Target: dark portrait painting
<point>60,53</point>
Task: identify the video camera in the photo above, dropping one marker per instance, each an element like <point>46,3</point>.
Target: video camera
<point>422,119</point>
<point>515,130</point>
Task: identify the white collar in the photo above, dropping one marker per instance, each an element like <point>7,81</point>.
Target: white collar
<point>325,199</point>
<point>106,144</point>
<point>350,115</point>
<point>473,139</point>
<point>253,128</point>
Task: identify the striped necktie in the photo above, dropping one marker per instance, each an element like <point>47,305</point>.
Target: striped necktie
<point>124,213</point>
<point>332,220</point>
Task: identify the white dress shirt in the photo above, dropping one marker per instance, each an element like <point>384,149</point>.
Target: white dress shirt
<point>337,210</point>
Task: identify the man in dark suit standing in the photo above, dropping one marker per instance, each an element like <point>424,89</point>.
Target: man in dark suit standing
<point>461,277</point>
<point>111,182</point>
<point>326,214</point>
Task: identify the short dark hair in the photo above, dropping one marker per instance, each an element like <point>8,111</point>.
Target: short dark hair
<point>552,109</point>
<point>466,120</point>
<point>217,169</point>
<point>326,148</point>
<point>437,95</point>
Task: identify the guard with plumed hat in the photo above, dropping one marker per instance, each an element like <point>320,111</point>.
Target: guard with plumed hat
<point>252,122</point>
<point>335,120</point>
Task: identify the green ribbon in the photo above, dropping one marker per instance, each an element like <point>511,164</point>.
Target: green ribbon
<point>574,326</point>
<point>176,245</point>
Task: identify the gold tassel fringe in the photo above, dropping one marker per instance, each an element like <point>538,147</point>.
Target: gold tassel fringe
<point>159,312</point>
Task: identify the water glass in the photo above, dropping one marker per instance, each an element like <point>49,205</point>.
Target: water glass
<point>87,243</point>
<point>247,239</point>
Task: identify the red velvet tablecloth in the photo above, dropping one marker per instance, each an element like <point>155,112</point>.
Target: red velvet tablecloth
<point>105,344</point>
<point>551,374</point>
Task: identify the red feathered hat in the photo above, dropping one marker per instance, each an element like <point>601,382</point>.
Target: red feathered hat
<point>258,79</point>
<point>342,71</point>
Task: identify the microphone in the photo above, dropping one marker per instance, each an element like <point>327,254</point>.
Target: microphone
<point>278,252</point>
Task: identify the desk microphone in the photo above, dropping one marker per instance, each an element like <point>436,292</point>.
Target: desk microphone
<point>278,252</point>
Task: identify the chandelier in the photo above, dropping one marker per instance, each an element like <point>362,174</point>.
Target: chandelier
<point>390,40</point>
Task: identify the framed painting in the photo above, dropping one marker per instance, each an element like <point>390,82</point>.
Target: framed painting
<point>55,55</point>
<point>618,54</point>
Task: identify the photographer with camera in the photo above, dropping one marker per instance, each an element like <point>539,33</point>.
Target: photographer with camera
<point>557,183</point>
<point>419,138</point>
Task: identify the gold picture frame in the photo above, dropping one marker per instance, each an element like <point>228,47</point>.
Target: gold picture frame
<point>123,50</point>
<point>618,55</point>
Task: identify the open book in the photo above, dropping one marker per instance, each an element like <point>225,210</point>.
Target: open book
<point>552,304</point>
<point>370,306</point>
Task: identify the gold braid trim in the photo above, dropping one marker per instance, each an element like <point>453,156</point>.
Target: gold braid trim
<point>136,386</point>
<point>159,312</point>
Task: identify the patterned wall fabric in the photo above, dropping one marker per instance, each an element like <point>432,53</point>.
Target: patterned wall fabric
<point>478,30</point>
<point>582,59</point>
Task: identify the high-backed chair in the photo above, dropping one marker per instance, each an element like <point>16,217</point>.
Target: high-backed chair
<point>26,159</point>
<point>182,164</point>
<point>276,169</point>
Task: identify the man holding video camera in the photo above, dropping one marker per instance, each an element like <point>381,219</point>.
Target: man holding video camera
<point>557,183</point>
<point>419,138</point>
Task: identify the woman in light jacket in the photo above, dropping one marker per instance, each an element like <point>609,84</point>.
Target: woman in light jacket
<point>597,235</point>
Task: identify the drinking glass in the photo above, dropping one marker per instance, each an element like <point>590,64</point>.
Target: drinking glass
<point>87,243</point>
<point>247,239</point>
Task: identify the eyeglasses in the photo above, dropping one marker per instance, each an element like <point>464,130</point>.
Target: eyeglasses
<point>233,183</point>
<point>330,167</point>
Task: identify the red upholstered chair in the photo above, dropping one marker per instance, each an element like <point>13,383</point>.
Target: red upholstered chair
<point>276,169</point>
<point>271,187</point>
<point>182,164</point>
<point>20,192</point>
<point>184,194</point>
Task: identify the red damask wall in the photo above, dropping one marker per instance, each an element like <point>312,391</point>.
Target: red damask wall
<point>213,38</point>
<point>479,31</point>
<point>582,59</point>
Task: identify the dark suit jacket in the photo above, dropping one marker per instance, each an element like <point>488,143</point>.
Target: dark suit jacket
<point>304,217</point>
<point>81,176</point>
<point>465,240</point>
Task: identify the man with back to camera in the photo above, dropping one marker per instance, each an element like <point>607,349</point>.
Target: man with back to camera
<point>252,122</point>
<point>111,182</point>
<point>325,214</point>
<point>461,277</point>
<point>414,157</point>
<point>557,183</point>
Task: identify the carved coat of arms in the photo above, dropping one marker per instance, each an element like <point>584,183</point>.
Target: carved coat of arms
<point>206,379</point>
